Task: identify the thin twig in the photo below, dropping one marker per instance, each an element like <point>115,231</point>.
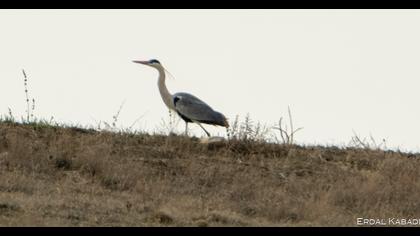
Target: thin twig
<point>115,117</point>
<point>131,126</point>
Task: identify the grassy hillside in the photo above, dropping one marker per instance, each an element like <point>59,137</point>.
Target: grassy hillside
<point>55,176</point>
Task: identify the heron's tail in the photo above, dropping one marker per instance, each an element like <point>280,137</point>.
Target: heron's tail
<point>225,122</point>
<point>220,119</point>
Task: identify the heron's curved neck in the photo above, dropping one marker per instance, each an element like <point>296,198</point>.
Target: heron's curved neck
<point>164,92</point>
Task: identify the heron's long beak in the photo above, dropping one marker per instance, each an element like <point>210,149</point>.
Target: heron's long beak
<point>142,62</point>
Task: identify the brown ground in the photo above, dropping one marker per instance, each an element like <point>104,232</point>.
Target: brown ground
<point>51,176</point>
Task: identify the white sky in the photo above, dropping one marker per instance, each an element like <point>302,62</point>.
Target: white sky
<point>339,70</point>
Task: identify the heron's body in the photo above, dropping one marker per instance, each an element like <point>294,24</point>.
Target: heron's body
<point>192,109</point>
<point>187,106</point>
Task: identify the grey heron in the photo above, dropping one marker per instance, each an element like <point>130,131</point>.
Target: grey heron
<point>187,106</point>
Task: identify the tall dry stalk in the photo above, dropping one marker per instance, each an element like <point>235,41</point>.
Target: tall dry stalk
<point>29,109</point>
<point>287,136</point>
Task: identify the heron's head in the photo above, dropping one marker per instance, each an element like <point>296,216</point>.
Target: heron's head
<point>153,63</point>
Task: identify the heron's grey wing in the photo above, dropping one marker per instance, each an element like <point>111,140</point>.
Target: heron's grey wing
<point>194,109</point>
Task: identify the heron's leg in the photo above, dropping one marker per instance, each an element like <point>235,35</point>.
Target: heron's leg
<point>208,134</point>
<point>186,128</point>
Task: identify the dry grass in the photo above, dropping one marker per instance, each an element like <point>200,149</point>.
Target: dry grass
<point>55,176</point>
